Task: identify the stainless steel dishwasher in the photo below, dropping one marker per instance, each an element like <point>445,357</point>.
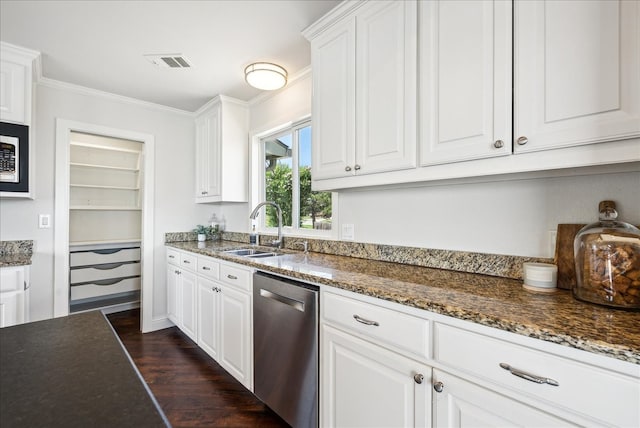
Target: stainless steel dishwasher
<point>285,342</point>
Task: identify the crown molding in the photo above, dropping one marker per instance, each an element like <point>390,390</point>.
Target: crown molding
<point>83,90</point>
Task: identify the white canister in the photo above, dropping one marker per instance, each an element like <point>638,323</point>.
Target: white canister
<point>540,276</point>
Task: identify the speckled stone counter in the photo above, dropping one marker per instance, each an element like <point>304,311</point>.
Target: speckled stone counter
<point>15,253</point>
<point>71,372</point>
<point>492,301</point>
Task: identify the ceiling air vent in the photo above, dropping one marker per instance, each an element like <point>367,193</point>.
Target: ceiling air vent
<point>168,60</point>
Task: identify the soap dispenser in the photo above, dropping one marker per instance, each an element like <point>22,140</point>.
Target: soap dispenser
<point>607,258</point>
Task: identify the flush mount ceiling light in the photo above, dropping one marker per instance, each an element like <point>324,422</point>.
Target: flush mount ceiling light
<point>265,76</point>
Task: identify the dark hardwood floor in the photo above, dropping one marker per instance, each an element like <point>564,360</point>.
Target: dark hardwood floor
<point>191,388</point>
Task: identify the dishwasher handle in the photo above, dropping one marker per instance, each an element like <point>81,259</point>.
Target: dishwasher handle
<point>296,304</point>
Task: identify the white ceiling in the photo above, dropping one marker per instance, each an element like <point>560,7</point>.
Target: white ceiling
<point>100,44</point>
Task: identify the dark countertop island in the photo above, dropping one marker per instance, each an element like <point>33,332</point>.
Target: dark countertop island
<point>71,372</point>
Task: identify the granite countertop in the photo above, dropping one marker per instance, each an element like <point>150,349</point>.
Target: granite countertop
<point>8,260</point>
<point>15,253</point>
<point>71,372</point>
<point>492,301</point>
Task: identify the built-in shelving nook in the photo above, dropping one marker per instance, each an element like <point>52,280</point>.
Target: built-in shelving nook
<point>105,221</point>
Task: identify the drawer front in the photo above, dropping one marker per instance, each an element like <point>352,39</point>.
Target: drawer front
<point>581,388</point>
<point>96,290</point>
<point>236,277</point>
<point>208,267</point>
<point>394,328</point>
<point>96,257</point>
<point>173,257</point>
<point>109,271</point>
<point>188,261</point>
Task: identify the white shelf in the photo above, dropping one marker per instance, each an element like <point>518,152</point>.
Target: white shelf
<point>105,242</point>
<point>96,186</point>
<point>105,208</point>
<point>90,165</point>
<point>101,147</point>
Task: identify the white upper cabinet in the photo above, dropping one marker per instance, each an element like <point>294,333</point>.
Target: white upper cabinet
<point>465,80</point>
<point>364,89</point>
<point>576,72</point>
<point>16,65</point>
<point>222,152</point>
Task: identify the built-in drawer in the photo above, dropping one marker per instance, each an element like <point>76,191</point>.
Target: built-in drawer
<point>102,256</point>
<point>104,288</point>
<point>581,388</point>
<point>399,330</point>
<point>107,271</point>
<point>173,257</point>
<point>208,267</point>
<point>236,277</point>
<point>188,261</point>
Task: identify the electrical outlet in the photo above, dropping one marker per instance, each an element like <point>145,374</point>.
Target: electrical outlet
<point>347,232</point>
<point>553,234</point>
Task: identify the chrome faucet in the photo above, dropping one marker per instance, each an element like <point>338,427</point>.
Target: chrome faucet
<point>256,211</point>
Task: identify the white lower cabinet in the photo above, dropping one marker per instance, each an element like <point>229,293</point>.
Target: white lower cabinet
<point>462,404</point>
<point>366,385</point>
<point>213,306</point>
<point>14,295</point>
<point>471,375</point>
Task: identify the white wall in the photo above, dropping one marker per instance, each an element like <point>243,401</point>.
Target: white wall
<point>175,209</point>
<point>506,217</point>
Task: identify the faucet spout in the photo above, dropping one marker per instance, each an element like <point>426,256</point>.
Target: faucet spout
<point>277,242</point>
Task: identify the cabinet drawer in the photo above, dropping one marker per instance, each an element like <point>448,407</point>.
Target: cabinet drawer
<point>394,328</point>
<point>235,276</point>
<point>582,388</point>
<point>208,267</point>
<point>173,257</point>
<point>104,288</point>
<point>108,271</point>
<point>96,257</point>
<point>188,261</point>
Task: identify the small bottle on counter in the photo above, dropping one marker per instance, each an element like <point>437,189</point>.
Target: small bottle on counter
<point>607,256</point>
<point>253,236</point>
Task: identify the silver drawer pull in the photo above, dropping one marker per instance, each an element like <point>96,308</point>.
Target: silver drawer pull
<point>172,257</point>
<point>232,276</point>
<point>206,268</point>
<point>529,376</point>
<point>365,321</point>
<point>186,262</point>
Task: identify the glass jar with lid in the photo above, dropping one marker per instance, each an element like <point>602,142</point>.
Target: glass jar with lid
<point>607,258</point>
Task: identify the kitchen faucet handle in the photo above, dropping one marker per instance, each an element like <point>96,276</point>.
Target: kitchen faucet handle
<point>305,245</point>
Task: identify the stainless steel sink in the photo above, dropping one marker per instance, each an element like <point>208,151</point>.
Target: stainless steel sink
<point>252,252</point>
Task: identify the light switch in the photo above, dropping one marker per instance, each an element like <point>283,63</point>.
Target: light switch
<point>347,232</point>
<point>44,221</point>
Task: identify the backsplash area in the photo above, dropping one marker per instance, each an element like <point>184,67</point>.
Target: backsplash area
<point>486,264</point>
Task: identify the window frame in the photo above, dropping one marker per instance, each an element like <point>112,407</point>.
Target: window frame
<point>258,184</point>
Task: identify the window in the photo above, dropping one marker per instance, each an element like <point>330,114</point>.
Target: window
<point>287,182</point>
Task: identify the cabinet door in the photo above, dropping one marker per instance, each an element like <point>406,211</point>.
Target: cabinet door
<point>577,72</point>
<point>465,80</point>
<point>365,385</point>
<point>208,179</point>
<point>13,78</point>
<point>333,61</point>
<point>172,294</point>
<point>236,335</point>
<point>208,315</point>
<point>12,308</point>
<point>386,55</point>
<point>464,404</point>
<point>189,304</point>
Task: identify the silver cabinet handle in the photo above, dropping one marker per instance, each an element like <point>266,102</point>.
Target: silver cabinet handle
<point>177,272</point>
<point>522,140</point>
<point>529,376</point>
<point>366,321</point>
<point>172,257</point>
<point>232,277</point>
<point>206,268</point>
<point>418,378</point>
<point>498,144</point>
<point>186,262</point>
<point>438,386</point>
<point>204,193</point>
<point>357,167</point>
<point>347,168</point>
